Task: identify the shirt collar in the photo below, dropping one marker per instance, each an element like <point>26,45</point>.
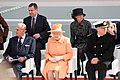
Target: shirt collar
<point>23,37</point>
<point>98,35</point>
<point>35,16</point>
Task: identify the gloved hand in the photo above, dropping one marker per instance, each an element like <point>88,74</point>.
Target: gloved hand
<point>52,59</point>
<point>58,58</point>
<point>9,59</point>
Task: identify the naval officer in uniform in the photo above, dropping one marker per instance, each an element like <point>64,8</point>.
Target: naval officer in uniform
<point>100,50</point>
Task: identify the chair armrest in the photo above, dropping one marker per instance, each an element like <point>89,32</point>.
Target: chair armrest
<point>115,67</point>
<point>29,65</point>
<point>73,62</point>
<point>115,64</point>
<point>1,60</point>
<point>42,60</point>
<point>42,64</point>
<point>72,65</point>
<point>84,65</point>
<point>42,54</point>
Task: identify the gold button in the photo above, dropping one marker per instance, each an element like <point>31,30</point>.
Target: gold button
<point>94,46</point>
<point>94,54</point>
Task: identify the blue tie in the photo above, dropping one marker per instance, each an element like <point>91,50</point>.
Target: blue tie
<point>19,44</point>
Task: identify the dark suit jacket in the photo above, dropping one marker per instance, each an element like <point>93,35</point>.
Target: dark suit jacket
<point>3,31</point>
<point>79,33</point>
<point>41,27</point>
<point>27,49</point>
<point>102,47</point>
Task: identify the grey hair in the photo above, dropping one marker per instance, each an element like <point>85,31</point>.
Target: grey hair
<point>21,25</point>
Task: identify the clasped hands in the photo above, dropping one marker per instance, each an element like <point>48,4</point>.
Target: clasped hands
<point>94,60</point>
<point>20,59</point>
<point>56,58</point>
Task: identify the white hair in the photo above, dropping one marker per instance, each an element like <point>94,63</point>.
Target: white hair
<point>21,26</point>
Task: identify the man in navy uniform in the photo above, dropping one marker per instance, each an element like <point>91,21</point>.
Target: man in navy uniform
<point>100,50</point>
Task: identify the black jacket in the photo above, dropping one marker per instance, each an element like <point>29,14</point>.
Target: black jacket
<point>101,47</point>
<point>41,27</point>
<point>79,32</point>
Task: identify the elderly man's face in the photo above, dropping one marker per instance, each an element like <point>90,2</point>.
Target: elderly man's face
<point>101,31</point>
<point>20,31</point>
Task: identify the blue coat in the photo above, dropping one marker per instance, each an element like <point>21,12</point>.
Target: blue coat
<point>27,48</point>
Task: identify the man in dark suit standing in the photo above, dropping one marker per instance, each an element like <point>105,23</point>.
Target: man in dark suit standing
<point>100,50</point>
<point>37,27</point>
<point>20,48</point>
<point>3,32</point>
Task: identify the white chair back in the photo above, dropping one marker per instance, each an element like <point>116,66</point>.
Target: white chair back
<point>73,61</point>
<point>29,65</point>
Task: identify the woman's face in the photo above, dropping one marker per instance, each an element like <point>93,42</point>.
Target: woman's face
<point>56,35</point>
<point>79,18</point>
<point>112,27</point>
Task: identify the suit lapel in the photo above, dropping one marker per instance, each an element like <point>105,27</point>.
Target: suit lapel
<point>24,43</point>
<point>29,23</point>
<point>37,21</point>
<point>25,40</point>
<point>15,43</point>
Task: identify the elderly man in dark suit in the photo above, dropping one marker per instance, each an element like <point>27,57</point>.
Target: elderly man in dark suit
<point>20,48</point>
<point>3,32</point>
<point>100,50</point>
<point>37,27</point>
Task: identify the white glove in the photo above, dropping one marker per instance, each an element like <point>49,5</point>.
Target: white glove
<point>58,58</point>
<point>10,59</point>
<point>52,59</point>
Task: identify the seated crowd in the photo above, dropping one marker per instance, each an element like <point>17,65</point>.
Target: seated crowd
<point>59,51</point>
<point>97,45</point>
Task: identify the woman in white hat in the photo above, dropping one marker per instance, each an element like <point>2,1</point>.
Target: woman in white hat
<point>58,53</point>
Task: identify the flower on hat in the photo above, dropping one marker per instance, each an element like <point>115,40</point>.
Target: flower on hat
<point>56,27</point>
